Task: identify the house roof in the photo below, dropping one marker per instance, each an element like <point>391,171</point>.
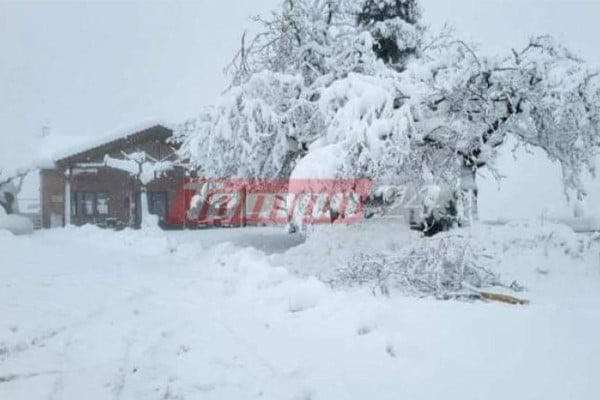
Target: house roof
<point>82,148</point>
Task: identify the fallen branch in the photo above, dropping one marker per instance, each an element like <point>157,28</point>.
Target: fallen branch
<point>502,298</point>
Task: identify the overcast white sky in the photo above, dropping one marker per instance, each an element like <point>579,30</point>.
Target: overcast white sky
<point>87,67</point>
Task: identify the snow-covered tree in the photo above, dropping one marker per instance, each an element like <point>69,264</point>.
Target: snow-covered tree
<point>394,26</point>
<point>365,84</point>
<point>282,83</point>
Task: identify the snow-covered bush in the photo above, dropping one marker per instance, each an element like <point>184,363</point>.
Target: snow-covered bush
<point>443,268</point>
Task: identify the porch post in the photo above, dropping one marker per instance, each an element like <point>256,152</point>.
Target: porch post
<point>67,200</point>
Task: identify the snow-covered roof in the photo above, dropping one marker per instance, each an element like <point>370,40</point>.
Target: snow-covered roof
<point>54,144</point>
<point>57,147</point>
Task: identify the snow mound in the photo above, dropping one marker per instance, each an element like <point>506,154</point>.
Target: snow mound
<point>518,237</point>
<point>306,295</point>
<point>16,224</point>
<point>329,246</point>
<point>582,223</point>
<point>385,257</point>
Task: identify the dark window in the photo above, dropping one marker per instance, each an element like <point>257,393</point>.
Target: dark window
<point>74,204</point>
<point>157,204</point>
<point>78,206</point>
<point>89,204</point>
<point>102,204</point>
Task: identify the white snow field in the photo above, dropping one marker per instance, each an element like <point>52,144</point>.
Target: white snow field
<point>92,314</point>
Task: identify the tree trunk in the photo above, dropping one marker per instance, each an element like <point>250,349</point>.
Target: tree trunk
<point>468,208</point>
<point>145,218</point>
<point>7,202</point>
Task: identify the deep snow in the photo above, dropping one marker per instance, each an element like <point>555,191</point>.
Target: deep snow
<point>16,224</point>
<point>97,314</point>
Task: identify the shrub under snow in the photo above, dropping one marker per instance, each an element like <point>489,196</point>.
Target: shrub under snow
<point>445,268</point>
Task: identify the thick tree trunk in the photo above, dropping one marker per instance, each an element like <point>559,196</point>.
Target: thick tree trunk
<point>9,191</point>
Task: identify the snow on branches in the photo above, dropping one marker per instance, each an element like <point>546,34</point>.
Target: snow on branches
<point>140,165</point>
<point>252,130</point>
<point>427,109</point>
<point>393,24</point>
<point>543,95</point>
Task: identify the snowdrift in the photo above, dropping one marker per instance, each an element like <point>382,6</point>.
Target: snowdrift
<point>16,224</point>
<point>204,314</point>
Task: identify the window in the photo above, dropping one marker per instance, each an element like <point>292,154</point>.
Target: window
<point>79,208</point>
<point>73,204</point>
<point>89,204</point>
<point>102,204</point>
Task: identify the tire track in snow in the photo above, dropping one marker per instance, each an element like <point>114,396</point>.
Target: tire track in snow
<point>15,377</point>
<point>41,341</point>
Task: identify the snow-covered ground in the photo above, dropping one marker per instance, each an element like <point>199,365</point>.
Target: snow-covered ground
<point>240,314</point>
